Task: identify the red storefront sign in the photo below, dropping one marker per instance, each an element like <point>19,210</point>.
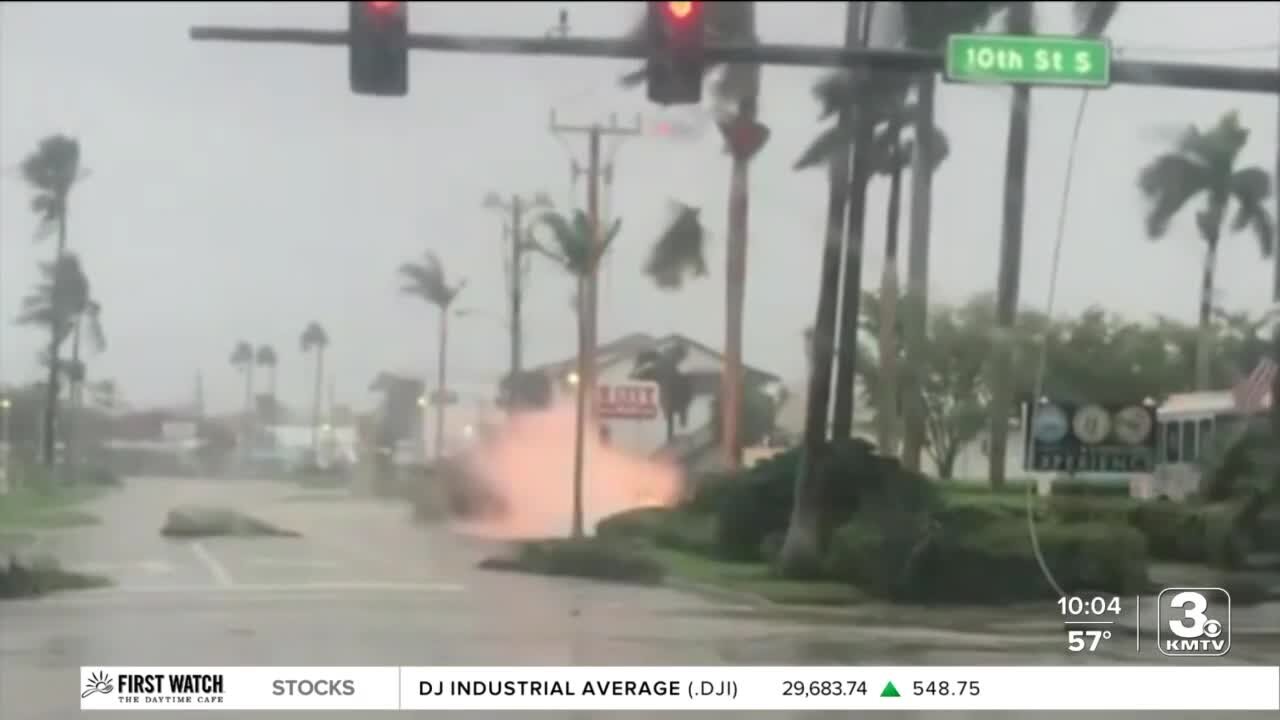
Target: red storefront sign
<point>633,401</point>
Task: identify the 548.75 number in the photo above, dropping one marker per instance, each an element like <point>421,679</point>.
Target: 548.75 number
<point>943,688</point>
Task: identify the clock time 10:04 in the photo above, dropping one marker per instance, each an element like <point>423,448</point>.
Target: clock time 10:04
<point>1072,606</point>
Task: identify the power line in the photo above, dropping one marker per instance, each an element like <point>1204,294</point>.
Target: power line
<point>1219,50</point>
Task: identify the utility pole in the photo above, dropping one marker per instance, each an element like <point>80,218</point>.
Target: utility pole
<point>1275,187</point>
<point>588,297</point>
<point>513,238</point>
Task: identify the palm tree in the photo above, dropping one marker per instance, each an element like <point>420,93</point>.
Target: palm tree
<point>676,388</point>
<point>265,357</point>
<point>735,92</point>
<point>574,248</point>
<point>51,171</point>
<point>63,302</point>
<point>427,281</point>
<point>1092,19</point>
<point>800,550</point>
<point>927,26</point>
<point>314,340</point>
<point>1206,164</point>
<point>242,359</point>
<point>891,155</point>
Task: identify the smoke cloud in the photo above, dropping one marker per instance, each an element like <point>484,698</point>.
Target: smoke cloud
<point>528,469</point>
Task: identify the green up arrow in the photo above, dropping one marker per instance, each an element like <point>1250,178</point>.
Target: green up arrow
<point>890,690</point>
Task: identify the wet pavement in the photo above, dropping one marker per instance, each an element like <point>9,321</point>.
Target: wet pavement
<point>365,587</point>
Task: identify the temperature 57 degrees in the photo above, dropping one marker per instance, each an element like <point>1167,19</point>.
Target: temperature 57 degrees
<point>1086,640</point>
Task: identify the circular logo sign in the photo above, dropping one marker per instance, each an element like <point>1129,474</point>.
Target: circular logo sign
<point>1133,425</point>
<point>1049,424</point>
<point>1091,424</point>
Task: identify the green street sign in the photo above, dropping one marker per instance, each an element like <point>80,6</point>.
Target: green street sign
<point>1029,60</point>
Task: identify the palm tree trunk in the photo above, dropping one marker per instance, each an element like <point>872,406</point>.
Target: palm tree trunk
<point>1204,334</point>
<point>442,387</point>
<point>580,416</point>
<point>75,382</point>
<point>315,404</point>
<point>800,552</point>
<point>851,294</point>
<point>889,315</point>
<point>917,305</point>
<point>50,436</point>
<point>1015,179</point>
<point>248,411</point>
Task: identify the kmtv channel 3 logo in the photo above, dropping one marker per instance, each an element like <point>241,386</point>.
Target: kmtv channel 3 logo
<point>1194,622</point>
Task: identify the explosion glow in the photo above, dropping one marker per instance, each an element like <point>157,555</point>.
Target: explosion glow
<point>529,467</point>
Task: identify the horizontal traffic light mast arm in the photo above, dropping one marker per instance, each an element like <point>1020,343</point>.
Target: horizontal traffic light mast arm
<point>1127,72</point>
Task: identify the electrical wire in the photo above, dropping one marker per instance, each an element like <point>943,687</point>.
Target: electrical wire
<point>1043,363</point>
<point>1220,50</point>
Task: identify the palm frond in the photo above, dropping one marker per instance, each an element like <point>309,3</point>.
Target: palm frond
<point>1168,183</point>
<point>1251,189</point>
<point>313,336</point>
<point>679,251</point>
<point>1092,18</point>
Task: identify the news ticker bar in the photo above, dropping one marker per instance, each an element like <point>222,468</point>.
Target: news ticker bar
<point>1198,688</point>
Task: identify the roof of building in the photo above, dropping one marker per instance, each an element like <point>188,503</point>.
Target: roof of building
<point>625,348</point>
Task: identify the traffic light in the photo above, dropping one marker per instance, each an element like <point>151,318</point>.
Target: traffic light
<point>379,51</point>
<point>677,31</point>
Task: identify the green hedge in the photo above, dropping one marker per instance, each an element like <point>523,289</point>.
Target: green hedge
<point>593,558</point>
<point>996,564</point>
<point>756,504</point>
<point>676,529</point>
<point>1116,488</point>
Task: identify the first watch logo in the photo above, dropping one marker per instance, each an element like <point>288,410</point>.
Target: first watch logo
<point>99,682</point>
<point>151,688</point>
<point>1194,622</point>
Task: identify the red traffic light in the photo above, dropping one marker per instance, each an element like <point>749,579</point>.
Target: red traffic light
<point>681,11</point>
<point>383,6</point>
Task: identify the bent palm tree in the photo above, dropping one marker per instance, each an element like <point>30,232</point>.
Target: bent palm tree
<point>427,281</point>
<point>1206,164</point>
<point>51,171</point>
<point>63,303</point>
<point>736,94</point>
<point>1092,19</point>
<point>314,340</point>
<point>574,248</point>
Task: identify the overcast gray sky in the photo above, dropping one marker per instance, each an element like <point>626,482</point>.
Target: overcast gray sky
<point>238,192</point>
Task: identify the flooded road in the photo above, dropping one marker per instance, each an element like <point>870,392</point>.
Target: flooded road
<point>364,587</point>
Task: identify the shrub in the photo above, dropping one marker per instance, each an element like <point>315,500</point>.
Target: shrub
<point>1064,485</point>
<point>757,503</point>
<point>1227,539</point>
<point>21,580</point>
<point>594,558</point>
<point>996,564</point>
<point>1091,508</point>
<point>100,476</point>
<point>197,522</point>
<point>1173,530</point>
<point>674,528</point>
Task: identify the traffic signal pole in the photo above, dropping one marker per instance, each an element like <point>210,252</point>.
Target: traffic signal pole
<point>1123,72</point>
<point>589,300</point>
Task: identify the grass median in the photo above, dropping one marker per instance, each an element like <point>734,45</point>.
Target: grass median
<point>47,508</point>
<point>753,579</point>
